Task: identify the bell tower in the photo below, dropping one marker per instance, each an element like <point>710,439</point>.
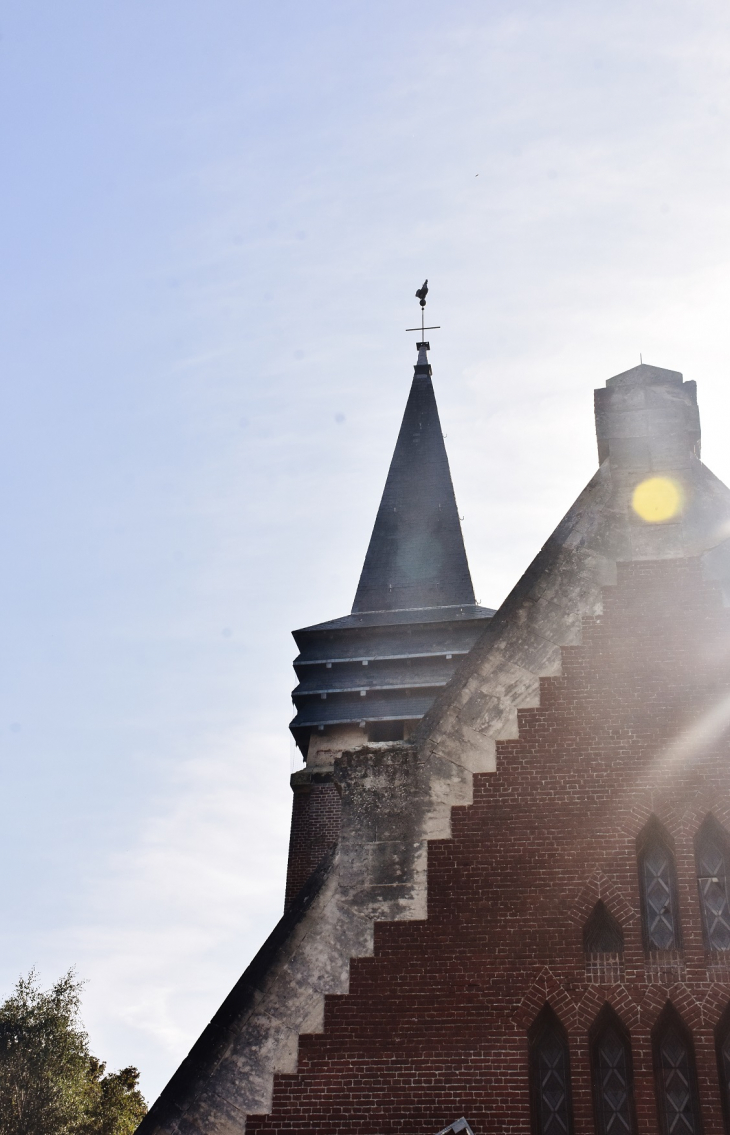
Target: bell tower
<point>370,676</point>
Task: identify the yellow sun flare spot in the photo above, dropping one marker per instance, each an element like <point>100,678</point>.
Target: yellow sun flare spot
<point>657,499</point>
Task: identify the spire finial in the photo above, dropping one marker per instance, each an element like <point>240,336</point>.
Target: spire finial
<point>421,296</point>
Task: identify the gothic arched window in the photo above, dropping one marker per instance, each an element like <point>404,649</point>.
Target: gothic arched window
<point>611,1067</point>
<point>550,1076</point>
<point>658,885</point>
<point>712,858</point>
<point>602,934</point>
<point>676,1079</point>
<point>722,1043</point>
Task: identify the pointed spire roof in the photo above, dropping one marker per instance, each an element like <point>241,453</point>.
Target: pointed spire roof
<point>416,557</point>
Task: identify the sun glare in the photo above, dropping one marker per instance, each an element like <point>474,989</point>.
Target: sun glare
<point>657,499</point>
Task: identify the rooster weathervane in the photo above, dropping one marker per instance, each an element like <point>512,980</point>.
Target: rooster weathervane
<point>421,297</point>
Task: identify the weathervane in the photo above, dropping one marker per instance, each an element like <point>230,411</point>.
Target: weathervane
<point>421,295</point>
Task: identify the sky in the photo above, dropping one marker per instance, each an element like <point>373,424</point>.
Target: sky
<point>213,219</point>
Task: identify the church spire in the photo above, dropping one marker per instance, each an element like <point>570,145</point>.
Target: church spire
<point>373,674</point>
<point>416,557</point>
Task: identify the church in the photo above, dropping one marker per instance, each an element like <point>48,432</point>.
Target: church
<point>507,903</point>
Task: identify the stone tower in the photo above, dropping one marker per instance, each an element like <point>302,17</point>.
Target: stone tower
<point>526,919</point>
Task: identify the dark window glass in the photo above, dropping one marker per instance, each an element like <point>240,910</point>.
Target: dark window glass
<point>711,856</point>
<point>659,893</point>
<point>612,1081</point>
<point>550,1074</point>
<point>725,1053</point>
<point>722,1039</point>
<point>385,731</point>
<point>676,1080</point>
<point>602,933</point>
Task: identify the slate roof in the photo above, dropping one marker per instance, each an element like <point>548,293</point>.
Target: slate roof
<point>414,617</point>
<point>416,556</point>
<point>384,670</point>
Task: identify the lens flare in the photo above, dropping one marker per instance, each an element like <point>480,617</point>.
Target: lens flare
<point>657,499</point>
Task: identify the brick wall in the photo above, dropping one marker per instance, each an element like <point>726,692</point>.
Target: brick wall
<point>436,1023</point>
<point>315,827</point>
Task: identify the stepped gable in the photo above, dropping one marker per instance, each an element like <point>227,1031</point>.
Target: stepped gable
<point>647,425</point>
<point>436,1023</point>
<point>470,858</point>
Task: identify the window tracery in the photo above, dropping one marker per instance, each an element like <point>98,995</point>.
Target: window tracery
<point>658,882</point>
<point>722,1040</point>
<point>676,1080</point>
<point>550,1076</point>
<point>711,858</point>
<point>612,1077</point>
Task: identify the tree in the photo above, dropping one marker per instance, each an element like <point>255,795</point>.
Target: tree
<point>50,1084</point>
<point>117,1106</point>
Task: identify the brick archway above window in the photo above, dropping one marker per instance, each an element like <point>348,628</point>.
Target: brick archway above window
<point>705,802</point>
<point>546,989</point>
<point>599,888</point>
<point>595,1000</point>
<point>656,999</point>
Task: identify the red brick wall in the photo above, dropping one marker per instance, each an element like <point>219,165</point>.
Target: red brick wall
<point>435,1024</point>
<point>315,829</point>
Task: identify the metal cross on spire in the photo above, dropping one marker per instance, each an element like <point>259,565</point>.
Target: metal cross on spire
<point>421,295</point>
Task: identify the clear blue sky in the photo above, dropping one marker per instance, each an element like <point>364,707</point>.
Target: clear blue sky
<point>214,218</point>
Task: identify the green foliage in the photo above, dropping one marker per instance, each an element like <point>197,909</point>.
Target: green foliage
<point>116,1106</point>
<point>50,1084</point>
